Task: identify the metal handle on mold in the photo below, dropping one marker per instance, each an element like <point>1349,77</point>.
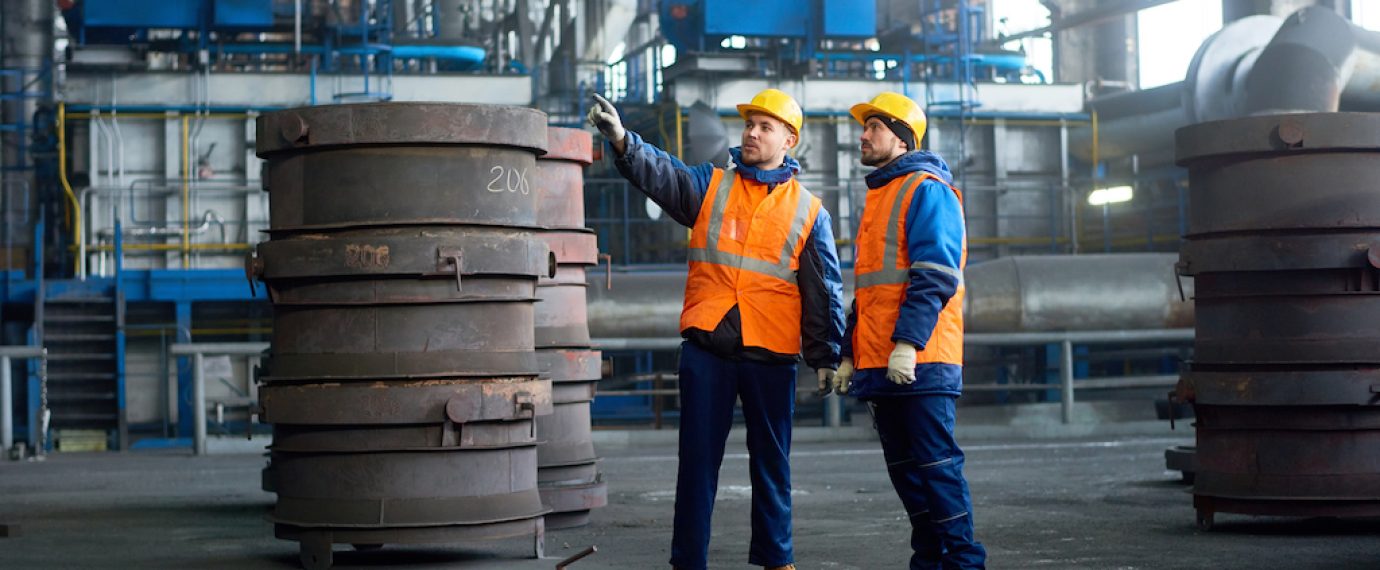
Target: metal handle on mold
<point>607,258</point>
<point>448,259</point>
<point>253,268</point>
<point>523,402</point>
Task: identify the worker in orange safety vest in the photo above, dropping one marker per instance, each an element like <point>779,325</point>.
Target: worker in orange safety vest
<point>763,287</point>
<point>903,349</point>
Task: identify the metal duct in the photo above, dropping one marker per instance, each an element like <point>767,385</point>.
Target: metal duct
<point>403,264</point>
<point>1282,225</point>
<point>1313,61</point>
<point>1011,294</point>
<point>1076,292</point>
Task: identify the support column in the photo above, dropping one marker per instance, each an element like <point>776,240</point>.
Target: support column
<point>185,381</point>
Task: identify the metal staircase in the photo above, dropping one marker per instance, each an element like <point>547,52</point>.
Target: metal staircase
<point>81,330</point>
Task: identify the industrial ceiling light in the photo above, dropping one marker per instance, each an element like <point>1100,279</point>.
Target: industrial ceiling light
<point>1113,195</point>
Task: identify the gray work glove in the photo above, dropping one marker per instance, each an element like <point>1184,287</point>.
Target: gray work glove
<point>604,117</point>
<point>843,379</point>
<point>826,381</point>
<point>900,367</point>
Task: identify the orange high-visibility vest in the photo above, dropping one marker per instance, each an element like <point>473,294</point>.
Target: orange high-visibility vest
<point>745,251</point>
<point>882,271</point>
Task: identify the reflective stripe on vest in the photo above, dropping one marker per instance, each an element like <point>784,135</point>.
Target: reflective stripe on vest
<point>881,282</point>
<point>888,274</point>
<point>710,253</point>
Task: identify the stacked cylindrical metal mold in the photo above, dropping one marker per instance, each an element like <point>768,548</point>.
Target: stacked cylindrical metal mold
<point>570,481</point>
<point>1283,226</point>
<point>402,264</point>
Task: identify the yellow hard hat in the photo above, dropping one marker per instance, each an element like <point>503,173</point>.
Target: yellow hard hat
<point>896,106</point>
<point>775,103</point>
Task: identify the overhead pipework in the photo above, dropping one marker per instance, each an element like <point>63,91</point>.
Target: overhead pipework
<point>1011,294</point>
<point>1313,61</point>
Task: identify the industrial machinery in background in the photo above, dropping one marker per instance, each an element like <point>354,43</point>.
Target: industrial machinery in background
<point>1314,60</point>
<point>368,37</point>
<point>138,191</point>
<point>131,189</point>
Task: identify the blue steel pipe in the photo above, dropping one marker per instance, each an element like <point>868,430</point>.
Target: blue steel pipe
<point>469,54</point>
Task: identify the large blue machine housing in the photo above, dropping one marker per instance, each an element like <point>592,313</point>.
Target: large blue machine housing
<point>697,25</point>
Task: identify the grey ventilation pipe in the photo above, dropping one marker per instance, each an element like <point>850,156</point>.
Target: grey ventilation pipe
<point>1011,294</point>
<point>1312,61</point>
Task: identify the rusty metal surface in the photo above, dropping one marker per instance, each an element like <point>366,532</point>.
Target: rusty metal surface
<point>1349,386</point>
<point>417,535</point>
<point>1280,419</point>
<point>576,497</point>
<point>408,251</point>
<point>565,435</point>
<point>1286,379</point>
<point>1274,252</point>
<point>1262,135</point>
<point>448,436</point>
<point>1259,195</point>
<point>402,185</point>
<point>570,145</point>
<point>559,179</point>
<point>570,505</point>
<point>561,317</point>
<point>402,340</point>
<point>572,392</point>
<point>559,521</point>
<point>403,265</point>
<point>415,402</point>
<point>1312,283</point>
<point>573,474</point>
<point>1332,465</point>
<point>440,289</point>
<point>406,488</point>
<point>573,247</point>
<point>432,124</point>
<point>570,365</point>
<point>1294,329</point>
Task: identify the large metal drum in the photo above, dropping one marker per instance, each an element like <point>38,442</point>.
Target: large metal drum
<point>1284,220</point>
<point>402,383</point>
<point>570,481</point>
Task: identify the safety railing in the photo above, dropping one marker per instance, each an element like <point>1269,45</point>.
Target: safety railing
<point>198,351</point>
<point>39,425</point>
<point>1067,386</point>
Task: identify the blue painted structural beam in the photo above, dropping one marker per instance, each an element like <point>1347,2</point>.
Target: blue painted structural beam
<point>182,287</point>
<point>170,285</point>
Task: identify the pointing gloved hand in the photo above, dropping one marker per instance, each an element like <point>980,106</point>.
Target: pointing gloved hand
<point>604,117</point>
<point>900,368</point>
<point>843,379</point>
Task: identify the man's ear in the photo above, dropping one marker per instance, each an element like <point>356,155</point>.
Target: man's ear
<point>791,140</point>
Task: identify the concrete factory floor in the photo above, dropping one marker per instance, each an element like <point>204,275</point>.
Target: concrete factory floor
<point>1083,497</point>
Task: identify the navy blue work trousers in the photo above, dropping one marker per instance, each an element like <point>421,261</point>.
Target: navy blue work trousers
<point>709,386</point>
